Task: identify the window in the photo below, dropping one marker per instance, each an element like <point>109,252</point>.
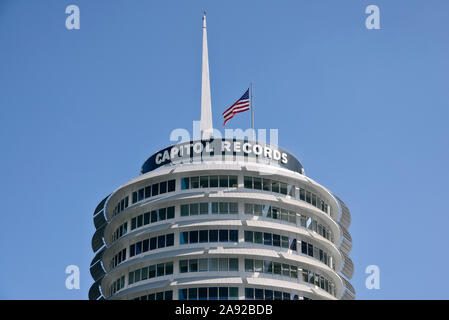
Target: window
<point>193,236</point>
<point>257,183</point>
<point>257,237</point>
<point>204,208</point>
<point>140,194</point>
<point>223,234</point>
<point>224,182</point>
<point>213,264</point>
<point>213,181</point>
<point>248,182</point>
<point>148,192</point>
<point>161,241</point>
<point>283,188</point>
<point>249,293</point>
<point>170,239</point>
<point>249,265</point>
<point>223,293</point>
<point>203,264</point>
<point>223,264</point>
<point>204,236</point>
<point>194,182</point>
<point>171,186</point>
<point>185,183</point>
<point>184,210</point>
<point>248,208</point>
<point>248,236</point>
<point>183,266</point>
<point>170,212</point>
<point>193,265</point>
<point>233,182</point>
<point>276,240</point>
<point>204,182</point>
<point>162,214</point>
<point>155,189</point>
<point>213,235</point>
<point>194,208</point>
<point>233,264</point>
<point>267,240</point>
<point>163,187</point>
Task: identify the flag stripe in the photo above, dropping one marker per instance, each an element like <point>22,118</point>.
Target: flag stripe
<point>241,105</point>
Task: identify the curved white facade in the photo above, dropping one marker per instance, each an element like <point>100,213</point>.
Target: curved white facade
<point>222,229</point>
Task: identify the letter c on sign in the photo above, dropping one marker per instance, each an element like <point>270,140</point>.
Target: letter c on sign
<point>158,158</point>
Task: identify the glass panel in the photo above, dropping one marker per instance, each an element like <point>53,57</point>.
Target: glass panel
<point>171,188</point>
<point>202,293</point>
<point>184,210</point>
<point>204,181</point>
<point>248,208</point>
<point>223,235</point>
<point>249,265</point>
<point>213,181</point>
<point>213,264</point>
<point>214,207</point>
<point>183,266</point>
<point>204,208</point>
<point>203,264</point>
<point>185,183</point>
<point>233,182</point>
<point>153,216</point>
<point>194,182</point>
<point>162,214</point>
<point>213,235</point>
<point>283,188</point>
<point>233,208</point>
<point>257,183</point>
<point>223,264</point>
<point>193,265</point>
<point>233,264</point>
<point>193,237</point>
<point>248,182</point>
<point>184,237</point>
<point>163,187</point>
<point>258,265</point>
<point>224,208</point>
<point>204,236</point>
<point>266,184</point>
<point>233,236</point>
<point>257,237</point>
<point>224,182</point>
<point>248,236</point>
<point>267,239</point>
<point>155,189</point>
<point>170,212</point>
<point>194,208</point>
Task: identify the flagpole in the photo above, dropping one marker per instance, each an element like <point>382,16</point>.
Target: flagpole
<point>252,111</point>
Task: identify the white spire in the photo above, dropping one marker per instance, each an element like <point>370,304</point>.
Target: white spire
<point>206,105</point>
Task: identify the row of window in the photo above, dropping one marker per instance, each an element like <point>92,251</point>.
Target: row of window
<point>120,231</point>
<point>204,236</point>
<point>194,209</point>
<point>314,252</point>
<point>121,205</point>
<point>211,293</point>
<point>314,225</point>
<point>271,267</point>
<point>270,239</point>
<point>152,217</point>
<point>153,243</point>
<point>268,211</point>
<point>163,295</point>
<point>209,182</point>
<point>265,294</point>
<point>118,258</point>
<point>258,183</point>
<point>156,270</point>
<point>318,280</point>
<point>154,190</point>
<point>276,240</point>
<point>117,285</point>
<point>209,264</point>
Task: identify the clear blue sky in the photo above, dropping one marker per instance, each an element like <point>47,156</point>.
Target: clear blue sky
<point>366,111</point>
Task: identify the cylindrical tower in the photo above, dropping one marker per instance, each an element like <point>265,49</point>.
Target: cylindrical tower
<point>222,219</point>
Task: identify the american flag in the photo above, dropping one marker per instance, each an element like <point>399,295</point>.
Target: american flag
<point>240,105</point>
